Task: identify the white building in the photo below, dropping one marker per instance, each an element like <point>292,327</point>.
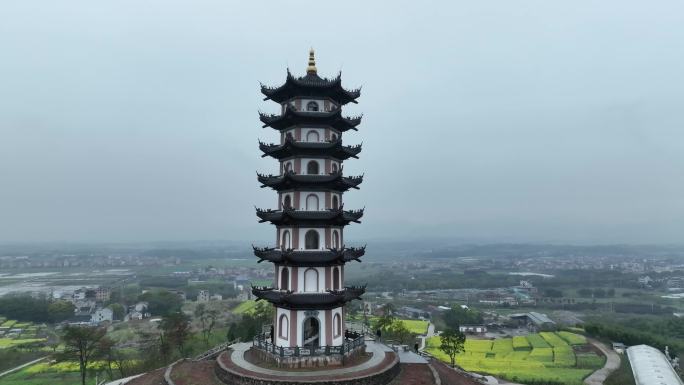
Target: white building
<point>141,307</point>
<point>651,367</point>
<point>102,315</point>
<point>203,296</point>
<point>473,329</point>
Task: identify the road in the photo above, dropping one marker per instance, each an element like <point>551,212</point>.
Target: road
<point>21,366</point>
<point>612,363</point>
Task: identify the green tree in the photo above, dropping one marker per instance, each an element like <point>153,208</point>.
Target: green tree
<point>59,311</point>
<point>385,322</point>
<point>175,330</point>
<point>458,315</point>
<point>161,302</point>
<point>83,344</point>
<point>230,333</point>
<point>118,310</point>
<point>23,307</point>
<point>452,343</point>
<point>263,313</point>
<point>400,332</point>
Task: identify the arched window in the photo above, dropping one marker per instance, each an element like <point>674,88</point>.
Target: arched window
<point>283,326</point>
<point>336,278</point>
<point>335,202</point>
<point>285,279</point>
<point>289,136</point>
<point>311,239</point>
<point>288,166</point>
<point>336,240</point>
<point>312,106</point>
<point>311,280</point>
<point>334,168</point>
<point>312,167</point>
<point>312,202</point>
<point>337,323</point>
<point>287,202</point>
<point>286,240</point>
<point>334,137</point>
<point>312,136</point>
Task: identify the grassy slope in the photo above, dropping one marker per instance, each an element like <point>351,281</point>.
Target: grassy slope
<point>622,376</point>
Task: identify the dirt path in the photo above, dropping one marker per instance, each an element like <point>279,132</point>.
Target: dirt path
<point>21,366</point>
<point>612,363</point>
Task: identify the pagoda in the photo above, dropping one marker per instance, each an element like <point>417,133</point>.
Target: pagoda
<point>309,294</point>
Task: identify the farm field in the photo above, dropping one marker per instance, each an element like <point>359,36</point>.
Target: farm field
<point>416,326</point>
<point>14,333</point>
<point>545,356</point>
<point>64,373</point>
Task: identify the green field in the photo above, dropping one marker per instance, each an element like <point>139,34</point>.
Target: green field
<point>27,336</point>
<point>246,307</point>
<point>572,338</point>
<point>12,342</point>
<point>63,373</point>
<point>414,326</point>
<point>536,357</point>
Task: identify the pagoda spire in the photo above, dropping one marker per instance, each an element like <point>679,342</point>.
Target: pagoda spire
<point>311,69</point>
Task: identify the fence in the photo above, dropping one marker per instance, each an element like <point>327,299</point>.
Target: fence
<point>354,341</point>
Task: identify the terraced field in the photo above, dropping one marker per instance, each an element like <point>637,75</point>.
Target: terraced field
<point>536,357</point>
<point>14,333</point>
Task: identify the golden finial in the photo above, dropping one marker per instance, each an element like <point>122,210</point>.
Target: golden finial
<point>311,69</point>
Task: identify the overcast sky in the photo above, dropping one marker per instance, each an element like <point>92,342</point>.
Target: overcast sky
<point>525,121</point>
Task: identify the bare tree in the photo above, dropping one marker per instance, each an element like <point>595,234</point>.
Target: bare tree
<point>84,343</point>
<point>207,318</point>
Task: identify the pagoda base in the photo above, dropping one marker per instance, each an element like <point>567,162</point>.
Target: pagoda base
<point>302,362</point>
<point>287,357</point>
<point>381,368</point>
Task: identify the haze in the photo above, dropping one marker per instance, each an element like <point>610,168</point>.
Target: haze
<point>525,121</point>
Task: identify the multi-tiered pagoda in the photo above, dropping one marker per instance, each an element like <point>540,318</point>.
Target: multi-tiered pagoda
<point>309,293</point>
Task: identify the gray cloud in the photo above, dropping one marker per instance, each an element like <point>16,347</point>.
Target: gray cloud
<point>500,120</point>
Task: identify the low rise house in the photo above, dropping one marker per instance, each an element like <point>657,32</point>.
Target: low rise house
<point>534,321</point>
<point>472,329</point>
<point>412,312</point>
<point>203,296</point>
<point>102,315</point>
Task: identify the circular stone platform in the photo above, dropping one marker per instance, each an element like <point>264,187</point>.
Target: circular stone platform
<point>381,368</point>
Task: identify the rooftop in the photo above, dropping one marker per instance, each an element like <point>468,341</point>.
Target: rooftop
<point>651,367</point>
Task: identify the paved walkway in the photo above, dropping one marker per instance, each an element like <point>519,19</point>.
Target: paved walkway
<point>410,358</point>
<point>122,381</point>
<point>430,333</point>
<point>378,350</point>
<point>612,363</point>
<point>17,368</point>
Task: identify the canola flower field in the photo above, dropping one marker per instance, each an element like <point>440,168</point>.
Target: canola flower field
<point>545,356</point>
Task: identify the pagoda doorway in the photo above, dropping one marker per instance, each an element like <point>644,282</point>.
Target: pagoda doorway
<point>311,338</point>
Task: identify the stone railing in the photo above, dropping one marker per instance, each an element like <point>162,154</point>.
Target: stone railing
<point>215,351</point>
<point>352,342</point>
